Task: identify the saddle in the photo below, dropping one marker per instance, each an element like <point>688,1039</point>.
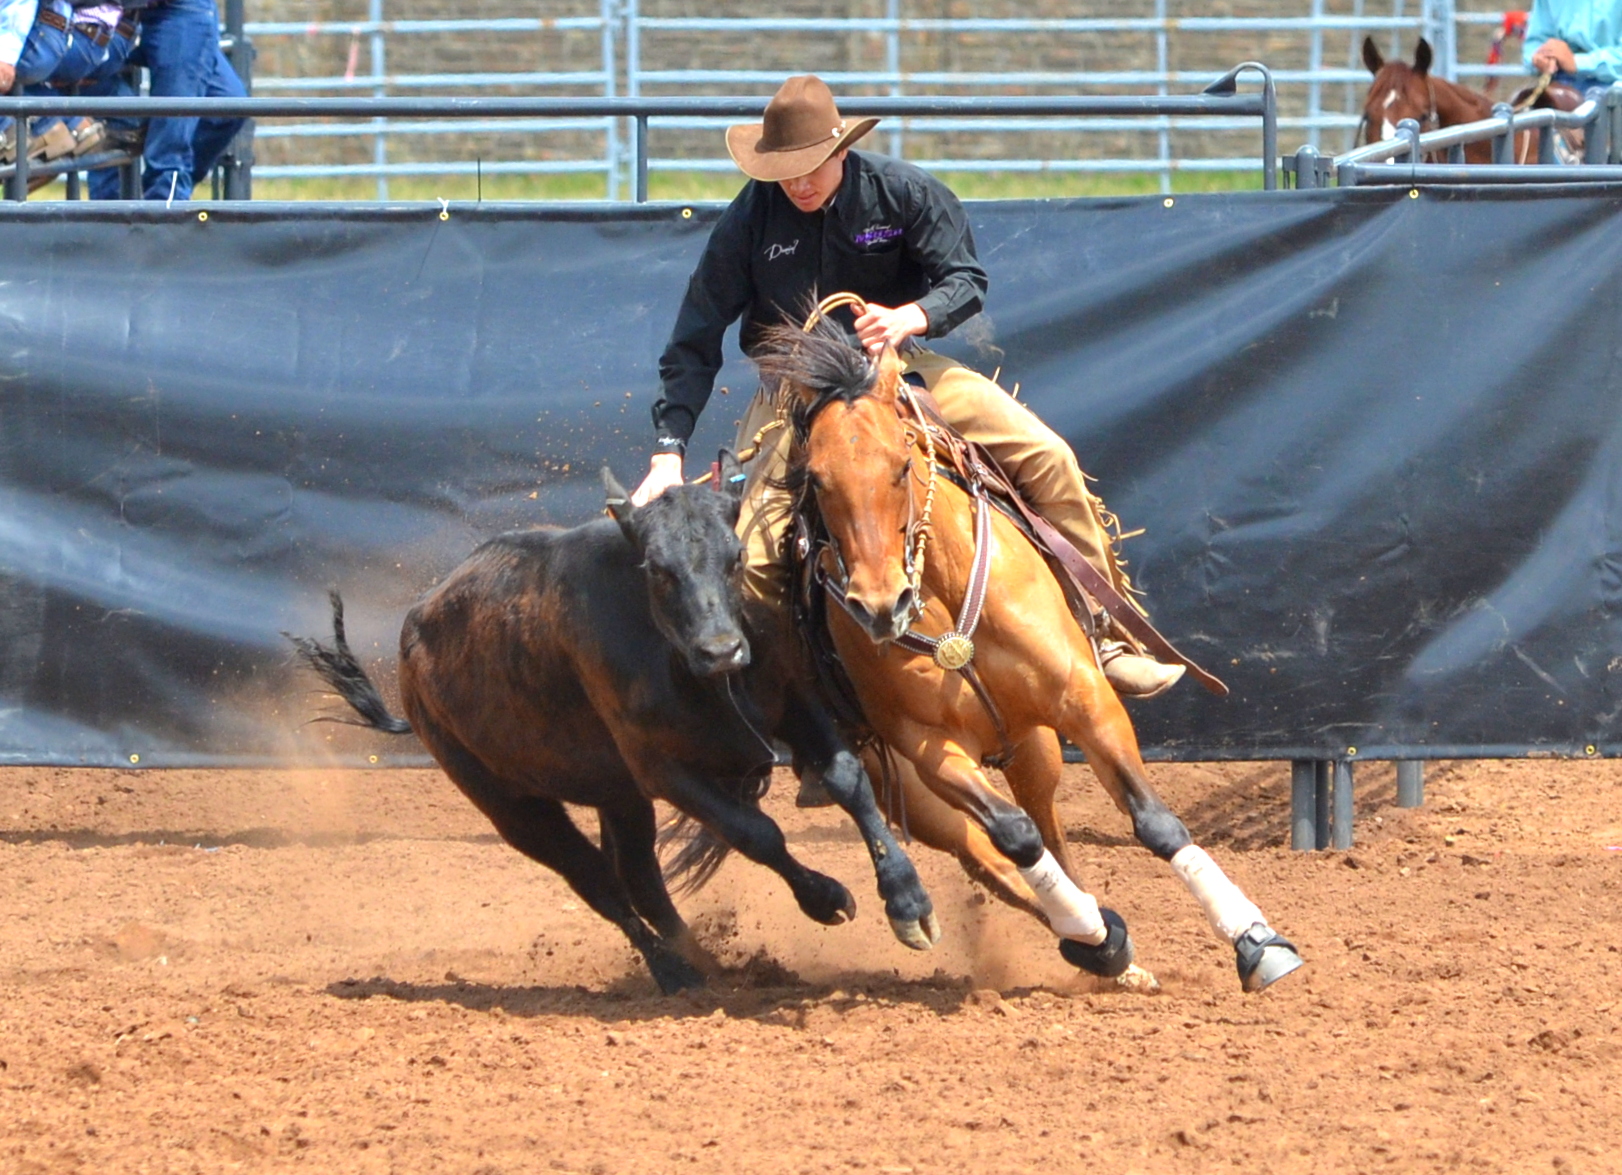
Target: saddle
<point>1545,94</point>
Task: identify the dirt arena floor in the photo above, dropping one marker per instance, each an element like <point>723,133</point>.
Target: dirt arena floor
<point>345,972</point>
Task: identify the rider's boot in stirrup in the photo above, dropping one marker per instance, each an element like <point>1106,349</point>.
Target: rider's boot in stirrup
<point>1133,674</point>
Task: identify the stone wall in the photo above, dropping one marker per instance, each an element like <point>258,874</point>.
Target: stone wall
<point>921,52</point>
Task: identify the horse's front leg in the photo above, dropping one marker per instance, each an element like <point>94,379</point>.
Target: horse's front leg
<point>1098,937</point>
<point>811,734</point>
<point>1096,721</point>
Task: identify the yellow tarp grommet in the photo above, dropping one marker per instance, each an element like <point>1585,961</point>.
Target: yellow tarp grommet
<point>687,214</point>
<point>1413,193</point>
<point>1167,202</point>
<point>135,758</point>
<point>203,216</point>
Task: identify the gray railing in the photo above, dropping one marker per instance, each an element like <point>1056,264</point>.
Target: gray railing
<point>1222,98</point>
<point>631,57</point>
<point>1402,159</point>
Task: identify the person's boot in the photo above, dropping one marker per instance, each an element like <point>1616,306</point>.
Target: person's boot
<point>1132,674</point>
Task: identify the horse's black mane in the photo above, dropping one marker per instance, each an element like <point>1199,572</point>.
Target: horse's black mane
<point>822,361</point>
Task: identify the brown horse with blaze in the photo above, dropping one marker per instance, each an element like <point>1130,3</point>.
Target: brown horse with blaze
<point>864,466</point>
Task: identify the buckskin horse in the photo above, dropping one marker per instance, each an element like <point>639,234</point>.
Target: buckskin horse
<point>959,642</point>
<point>610,665</point>
<point>1400,90</point>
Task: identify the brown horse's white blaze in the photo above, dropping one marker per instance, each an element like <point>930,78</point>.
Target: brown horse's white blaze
<point>866,461</point>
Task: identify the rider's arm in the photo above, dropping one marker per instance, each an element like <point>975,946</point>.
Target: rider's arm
<point>938,236</point>
<point>717,293</point>
<point>16,19</point>
<point>1540,26</point>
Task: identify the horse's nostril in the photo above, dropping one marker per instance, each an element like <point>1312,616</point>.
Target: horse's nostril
<point>901,614</point>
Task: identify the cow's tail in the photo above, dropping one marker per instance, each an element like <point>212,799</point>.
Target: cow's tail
<point>338,667</point>
<point>701,852</point>
<point>696,860</point>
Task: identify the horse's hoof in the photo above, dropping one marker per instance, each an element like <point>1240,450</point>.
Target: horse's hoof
<point>1138,981</point>
<point>1107,959</point>
<point>921,934</point>
<point>1264,957</point>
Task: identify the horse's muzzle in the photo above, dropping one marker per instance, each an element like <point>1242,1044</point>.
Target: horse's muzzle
<point>887,625</point>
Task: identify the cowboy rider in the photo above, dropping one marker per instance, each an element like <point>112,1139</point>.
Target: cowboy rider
<point>821,217</point>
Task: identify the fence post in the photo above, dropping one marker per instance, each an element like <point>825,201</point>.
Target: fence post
<point>1410,783</point>
<point>17,183</point>
<point>1303,798</point>
<point>1442,26</point>
<point>641,159</point>
<point>1503,144</point>
<point>608,11</point>
<point>236,166</point>
<point>380,141</point>
<point>1306,170</point>
<point>1340,820</point>
<point>1409,129</point>
<point>1323,773</point>
<point>1546,144</point>
<point>1612,116</point>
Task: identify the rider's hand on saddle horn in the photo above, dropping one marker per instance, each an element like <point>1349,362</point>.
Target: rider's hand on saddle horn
<point>884,327</point>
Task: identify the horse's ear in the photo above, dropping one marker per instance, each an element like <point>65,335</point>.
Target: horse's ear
<point>619,503</point>
<point>1422,57</point>
<point>1371,56</point>
<point>732,474</point>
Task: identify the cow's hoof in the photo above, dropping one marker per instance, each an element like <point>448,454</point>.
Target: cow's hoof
<point>825,900</point>
<point>1264,957</point>
<point>921,934</point>
<point>1106,959</point>
<point>673,973</point>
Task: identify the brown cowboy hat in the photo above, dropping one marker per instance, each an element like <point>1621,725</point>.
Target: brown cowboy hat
<point>801,131</point>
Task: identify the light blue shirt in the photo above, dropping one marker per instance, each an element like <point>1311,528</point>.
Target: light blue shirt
<point>16,18</point>
<point>1593,29</point>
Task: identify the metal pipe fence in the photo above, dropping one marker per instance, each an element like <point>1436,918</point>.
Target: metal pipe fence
<point>1403,159</point>
<point>636,58</point>
<point>1221,99</point>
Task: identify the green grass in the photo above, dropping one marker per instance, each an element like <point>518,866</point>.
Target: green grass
<point>703,185</point>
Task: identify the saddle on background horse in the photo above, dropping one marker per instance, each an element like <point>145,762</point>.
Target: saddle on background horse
<point>1546,94</point>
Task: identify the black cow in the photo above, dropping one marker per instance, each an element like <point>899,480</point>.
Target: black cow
<point>610,665</point>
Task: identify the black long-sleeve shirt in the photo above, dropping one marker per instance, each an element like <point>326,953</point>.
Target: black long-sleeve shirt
<point>893,234</point>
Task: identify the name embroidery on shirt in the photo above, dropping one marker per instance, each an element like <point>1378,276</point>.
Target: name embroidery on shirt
<point>773,252</point>
<point>876,234</point>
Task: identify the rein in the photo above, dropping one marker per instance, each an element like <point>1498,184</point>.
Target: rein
<point>952,651</point>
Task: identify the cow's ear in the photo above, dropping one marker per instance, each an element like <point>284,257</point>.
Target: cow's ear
<point>619,504</point>
<point>1422,57</point>
<point>1371,56</point>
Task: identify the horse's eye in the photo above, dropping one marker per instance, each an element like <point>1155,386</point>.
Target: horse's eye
<point>906,468</point>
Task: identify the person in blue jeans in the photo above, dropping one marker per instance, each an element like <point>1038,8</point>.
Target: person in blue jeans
<point>180,47</point>
<point>33,39</point>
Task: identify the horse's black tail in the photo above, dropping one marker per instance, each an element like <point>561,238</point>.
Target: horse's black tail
<point>338,667</point>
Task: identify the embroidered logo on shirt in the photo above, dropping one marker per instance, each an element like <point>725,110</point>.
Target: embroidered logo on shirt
<point>875,234</point>
<point>773,252</point>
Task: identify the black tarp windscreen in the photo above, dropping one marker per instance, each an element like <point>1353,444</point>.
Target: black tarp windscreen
<point>1373,441</point>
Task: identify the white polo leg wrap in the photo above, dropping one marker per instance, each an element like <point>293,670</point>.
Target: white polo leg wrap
<point>1227,909</point>
<point>1072,912</point>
